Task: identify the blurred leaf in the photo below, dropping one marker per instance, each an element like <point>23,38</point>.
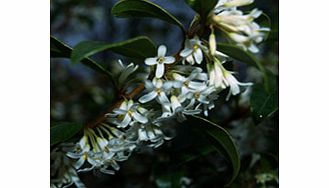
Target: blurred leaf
<point>139,47</point>
<point>59,49</point>
<point>198,152</point>
<point>143,8</point>
<point>262,103</point>
<point>60,132</point>
<point>239,54</point>
<point>265,21</point>
<point>221,140</point>
<point>203,7</point>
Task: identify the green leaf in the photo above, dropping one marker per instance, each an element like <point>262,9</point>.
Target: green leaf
<point>239,54</point>
<point>139,47</point>
<point>61,132</point>
<point>198,152</point>
<point>262,103</point>
<point>222,141</point>
<point>203,7</point>
<point>143,8</point>
<point>59,49</point>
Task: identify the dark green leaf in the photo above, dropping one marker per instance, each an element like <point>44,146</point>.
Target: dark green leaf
<point>221,140</point>
<point>197,153</point>
<point>58,49</point>
<point>239,54</point>
<point>60,132</point>
<point>262,103</point>
<point>143,8</point>
<point>139,47</point>
<point>203,7</point>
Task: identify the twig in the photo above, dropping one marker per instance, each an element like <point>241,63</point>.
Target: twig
<point>102,117</point>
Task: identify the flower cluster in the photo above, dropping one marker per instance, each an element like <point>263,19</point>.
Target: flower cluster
<point>175,88</point>
<point>239,27</point>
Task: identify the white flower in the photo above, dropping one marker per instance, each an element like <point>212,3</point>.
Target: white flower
<point>157,90</point>
<point>160,60</point>
<point>233,83</point>
<point>193,51</point>
<point>128,112</point>
<point>200,95</point>
<point>149,134</point>
<point>81,153</point>
<point>69,178</point>
<point>186,84</point>
<point>179,110</point>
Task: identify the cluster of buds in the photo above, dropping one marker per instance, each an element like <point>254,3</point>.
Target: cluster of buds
<point>174,89</point>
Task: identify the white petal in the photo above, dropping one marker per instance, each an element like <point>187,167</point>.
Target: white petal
<point>203,99</point>
<point>167,85</point>
<point>149,85</point>
<point>162,51</point>
<point>130,104</point>
<point>119,111</point>
<point>253,48</point>
<point>196,85</point>
<point>123,105</point>
<point>138,117</point>
<point>142,135</point>
<point>102,142</point>
<point>198,56</point>
<point>148,97</point>
<point>151,61</point>
<point>158,83</point>
<point>186,52</point>
<point>115,165</point>
<point>176,105</point>
<point>190,59</point>
<point>163,98</point>
<point>80,162</point>
<point>238,38</point>
<point>192,112</point>
<point>83,141</point>
<point>179,77</point>
<point>159,70</point>
<point>177,84</point>
<point>169,60</point>
<point>125,121</point>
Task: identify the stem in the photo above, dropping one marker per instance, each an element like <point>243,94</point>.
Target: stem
<point>102,117</point>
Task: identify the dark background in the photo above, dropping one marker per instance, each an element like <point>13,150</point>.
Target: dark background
<point>79,94</point>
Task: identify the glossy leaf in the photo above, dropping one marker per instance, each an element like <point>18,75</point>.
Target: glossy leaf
<point>59,49</point>
<point>239,54</point>
<point>143,8</point>
<point>63,131</point>
<point>262,103</point>
<point>139,47</point>
<point>222,141</point>
<point>203,7</point>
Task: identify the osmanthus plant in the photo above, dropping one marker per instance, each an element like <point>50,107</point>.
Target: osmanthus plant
<point>167,89</point>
